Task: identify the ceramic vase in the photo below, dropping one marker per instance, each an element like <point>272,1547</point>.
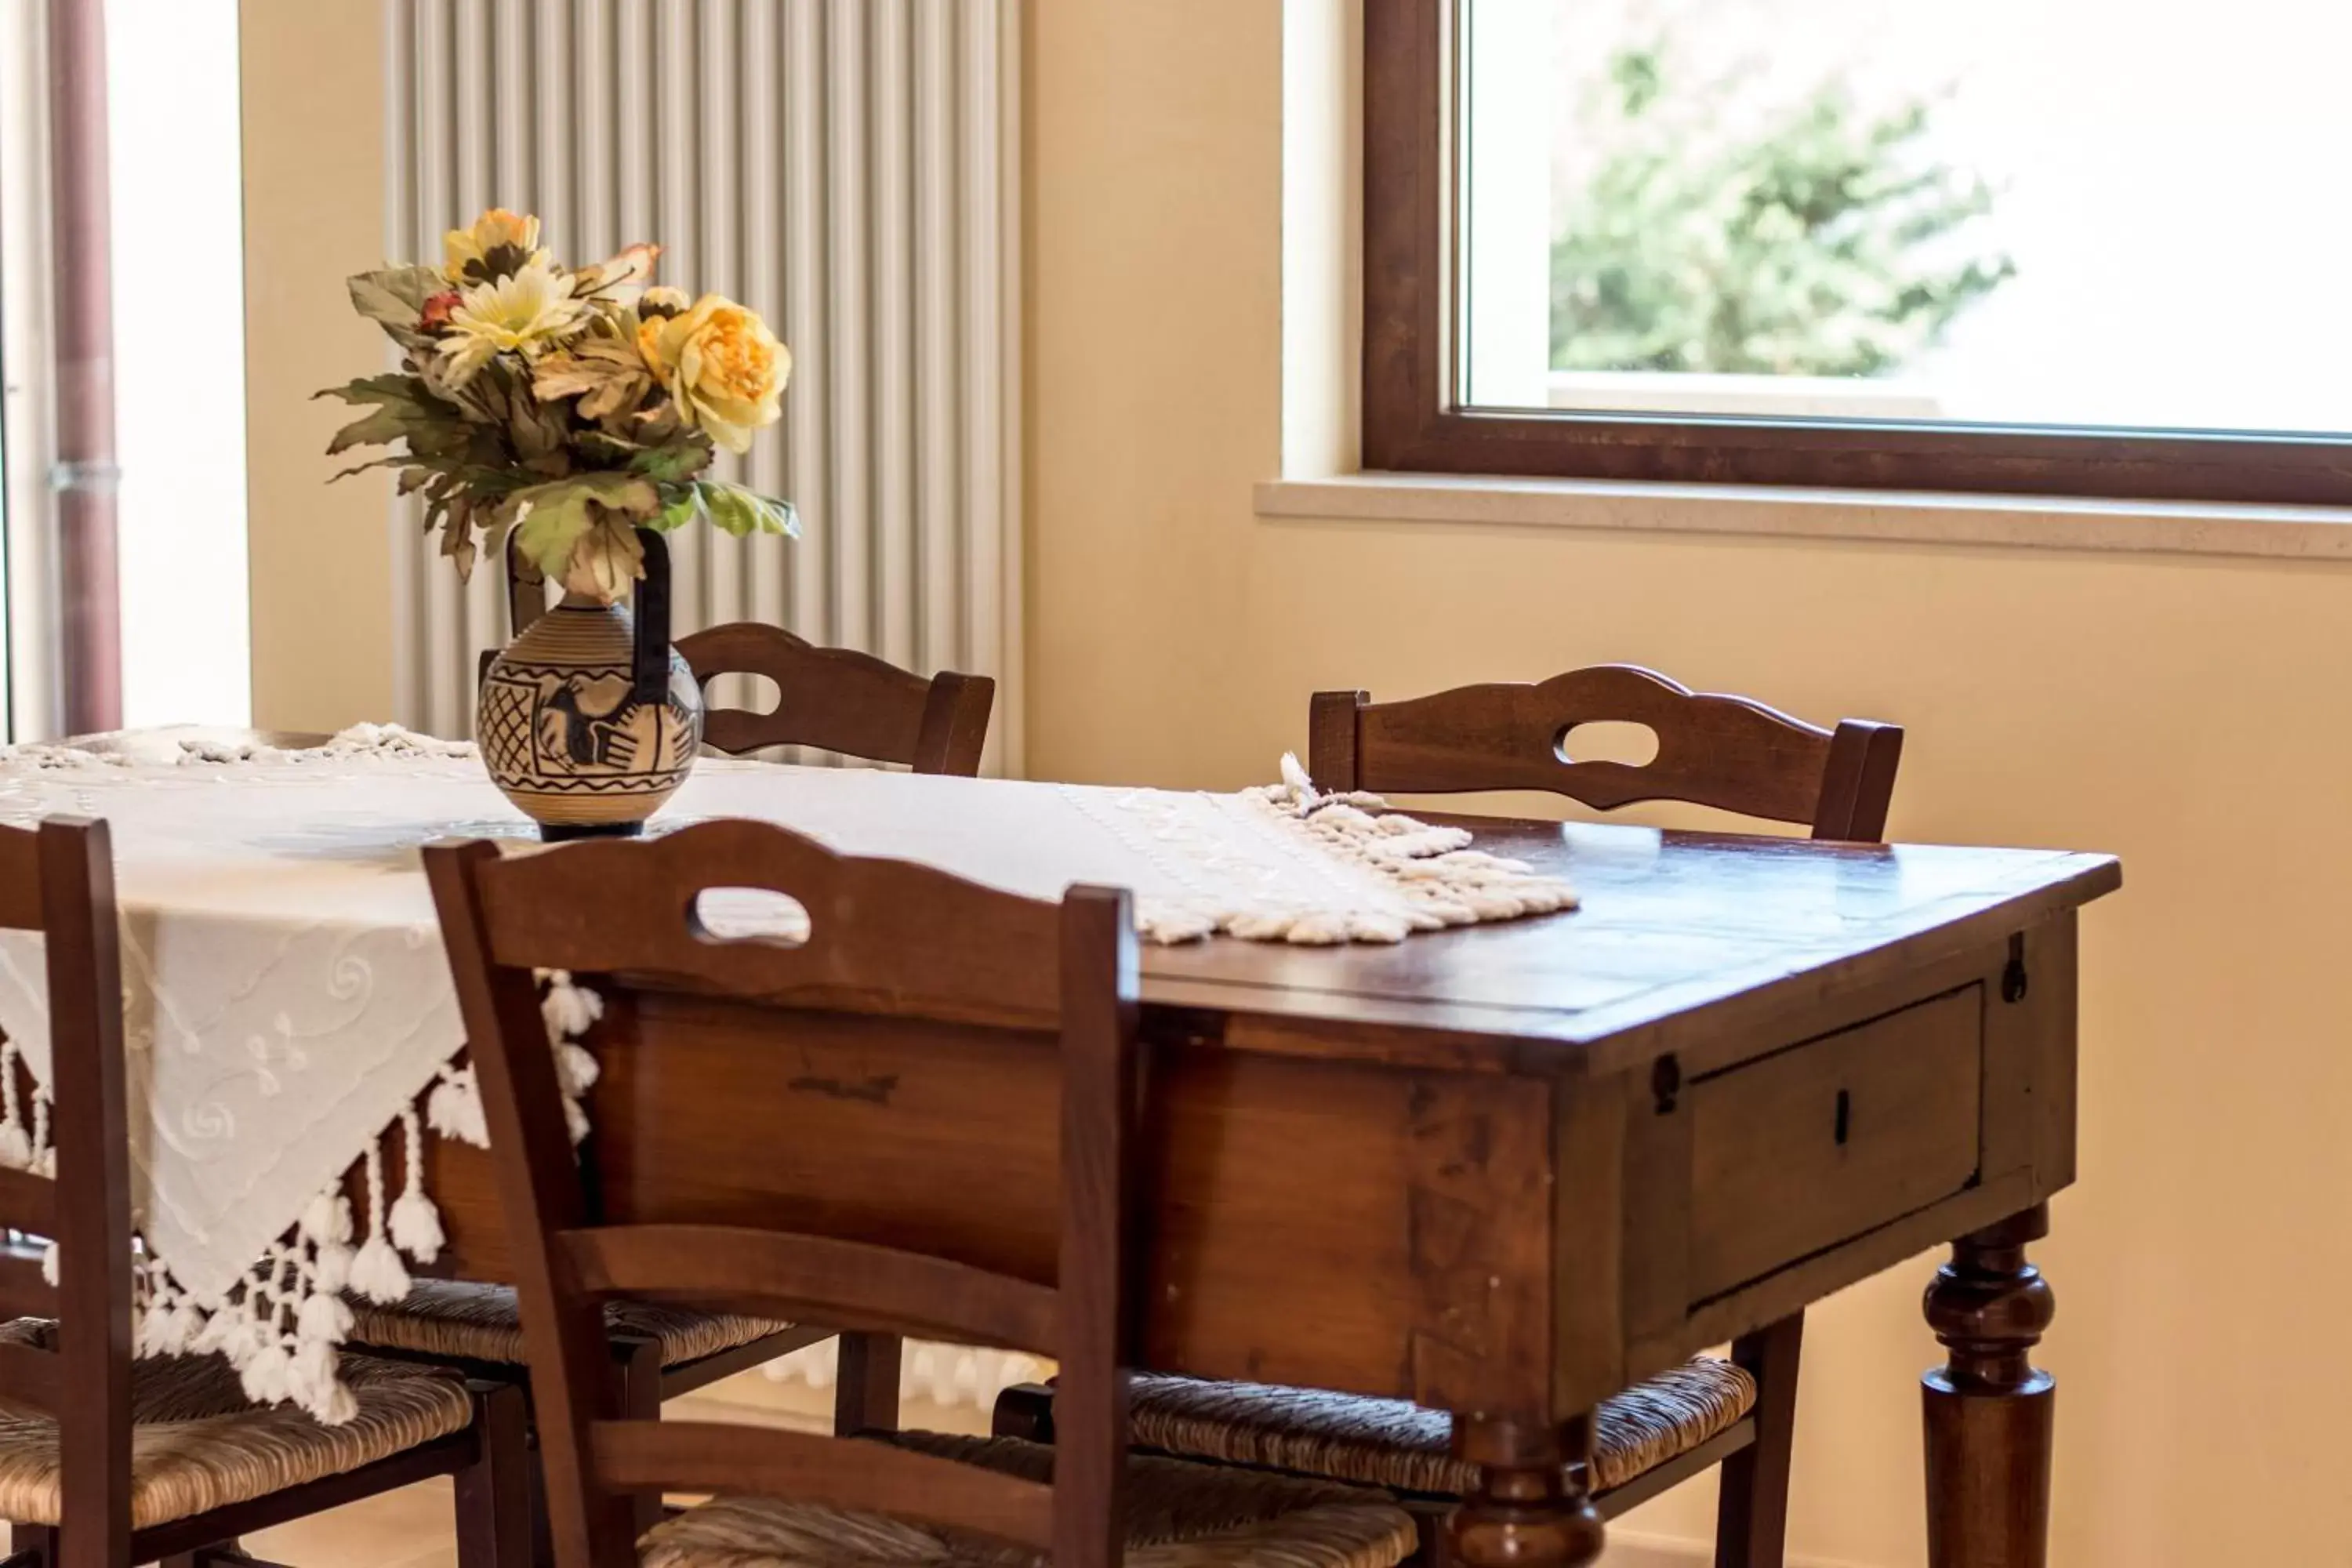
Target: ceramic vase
<point>589,720</point>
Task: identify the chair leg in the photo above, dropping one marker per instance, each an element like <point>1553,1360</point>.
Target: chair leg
<point>640,1369</point>
<point>32,1546</point>
<point>1752,1519</point>
<point>494,1491</point>
<point>866,1394</point>
<point>542,1533</point>
<point>1429,1532</point>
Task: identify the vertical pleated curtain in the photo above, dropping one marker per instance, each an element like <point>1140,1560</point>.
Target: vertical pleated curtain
<point>844,166</point>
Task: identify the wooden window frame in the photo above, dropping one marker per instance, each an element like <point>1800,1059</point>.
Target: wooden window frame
<point>1414,422</point>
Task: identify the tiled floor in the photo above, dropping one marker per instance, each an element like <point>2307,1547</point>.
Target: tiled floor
<point>411,1529</point>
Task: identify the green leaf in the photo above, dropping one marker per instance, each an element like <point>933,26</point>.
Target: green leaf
<point>394,461</point>
<point>397,295</point>
<point>502,514</point>
<point>608,558</point>
<point>505,482</point>
<point>607,374</point>
<point>555,518</point>
<point>458,536</point>
<point>685,509</point>
<point>742,514</point>
<point>393,387</point>
<point>444,440</point>
<point>736,511</point>
<point>673,461</point>
<point>378,428</point>
<point>600,448</point>
<point>399,407</point>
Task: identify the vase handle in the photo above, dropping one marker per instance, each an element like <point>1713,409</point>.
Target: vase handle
<point>526,587</point>
<point>650,684</point>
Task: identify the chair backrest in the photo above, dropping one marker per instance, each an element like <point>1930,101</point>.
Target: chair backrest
<point>834,699</point>
<point>1719,750</point>
<point>889,945</point>
<point>839,699</point>
<point>58,879</point>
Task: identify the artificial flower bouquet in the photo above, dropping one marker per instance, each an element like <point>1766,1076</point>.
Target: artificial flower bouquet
<point>571,404</point>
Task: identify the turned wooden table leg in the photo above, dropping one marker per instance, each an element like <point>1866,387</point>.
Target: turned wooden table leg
<point>1532,1508</point>
<point>1988,1411</point>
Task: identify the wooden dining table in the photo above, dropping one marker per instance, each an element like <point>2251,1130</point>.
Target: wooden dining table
<point>1503,1170</point>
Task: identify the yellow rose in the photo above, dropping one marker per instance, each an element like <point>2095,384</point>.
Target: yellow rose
<point>722,364</point>
<point>472,255</point>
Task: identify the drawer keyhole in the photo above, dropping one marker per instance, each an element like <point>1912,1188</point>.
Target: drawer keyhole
<point>1844,1116</point>
<point>1665,1083</point>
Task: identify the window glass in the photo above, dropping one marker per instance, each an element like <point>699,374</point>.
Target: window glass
<point>2073,213</point>
<point>176,197</point>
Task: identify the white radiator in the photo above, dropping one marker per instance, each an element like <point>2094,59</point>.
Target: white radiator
<point>847,167</point>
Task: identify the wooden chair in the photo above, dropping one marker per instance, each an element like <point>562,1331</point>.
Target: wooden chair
<point>833,699</point>
<point>105,1460</point>
<point>931,962</point>
<point>1724,751</point>
<point>838,700</point>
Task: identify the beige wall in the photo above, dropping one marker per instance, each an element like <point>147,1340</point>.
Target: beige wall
<point>2190,714</point>
<point>313,88</point>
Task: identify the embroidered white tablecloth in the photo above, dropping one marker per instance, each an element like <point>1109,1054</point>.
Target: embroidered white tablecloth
<point>287,1000</point>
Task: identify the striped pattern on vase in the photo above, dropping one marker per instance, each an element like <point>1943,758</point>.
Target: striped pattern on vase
<point>564,737</point>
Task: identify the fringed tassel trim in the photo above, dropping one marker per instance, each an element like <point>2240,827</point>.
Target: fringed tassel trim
<point>1443,881</point>
<point>24,1140</point>
<point>1446,882</point>
<point>280,1325</point>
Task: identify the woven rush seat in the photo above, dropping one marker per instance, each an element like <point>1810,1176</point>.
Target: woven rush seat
<point>1405,1448</point>
<point>200,1444</point>
<point>1179,1515</point>
<point>482,1323</point>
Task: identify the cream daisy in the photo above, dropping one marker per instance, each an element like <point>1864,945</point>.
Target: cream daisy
<point>527,313</point>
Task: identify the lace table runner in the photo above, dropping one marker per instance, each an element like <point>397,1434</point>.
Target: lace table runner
<point>288,1003</point>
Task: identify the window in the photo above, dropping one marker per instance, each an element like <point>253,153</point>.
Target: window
<point>177,189</point>
<point>2071,247</point>
<point>177,271</point>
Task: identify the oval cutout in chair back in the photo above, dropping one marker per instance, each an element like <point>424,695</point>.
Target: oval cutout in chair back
<point>1607,741</point>
<point>750,914</point>
<point>744,691</point>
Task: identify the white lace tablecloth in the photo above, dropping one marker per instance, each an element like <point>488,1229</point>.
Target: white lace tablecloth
<point>288,1001</point>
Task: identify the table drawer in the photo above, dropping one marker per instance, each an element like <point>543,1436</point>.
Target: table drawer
<point>1827,1139</point>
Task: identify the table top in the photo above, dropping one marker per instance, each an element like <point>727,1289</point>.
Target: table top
<point>1677,933</point>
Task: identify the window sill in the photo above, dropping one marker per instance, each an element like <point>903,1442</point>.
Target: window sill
<point>2164,528</point>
